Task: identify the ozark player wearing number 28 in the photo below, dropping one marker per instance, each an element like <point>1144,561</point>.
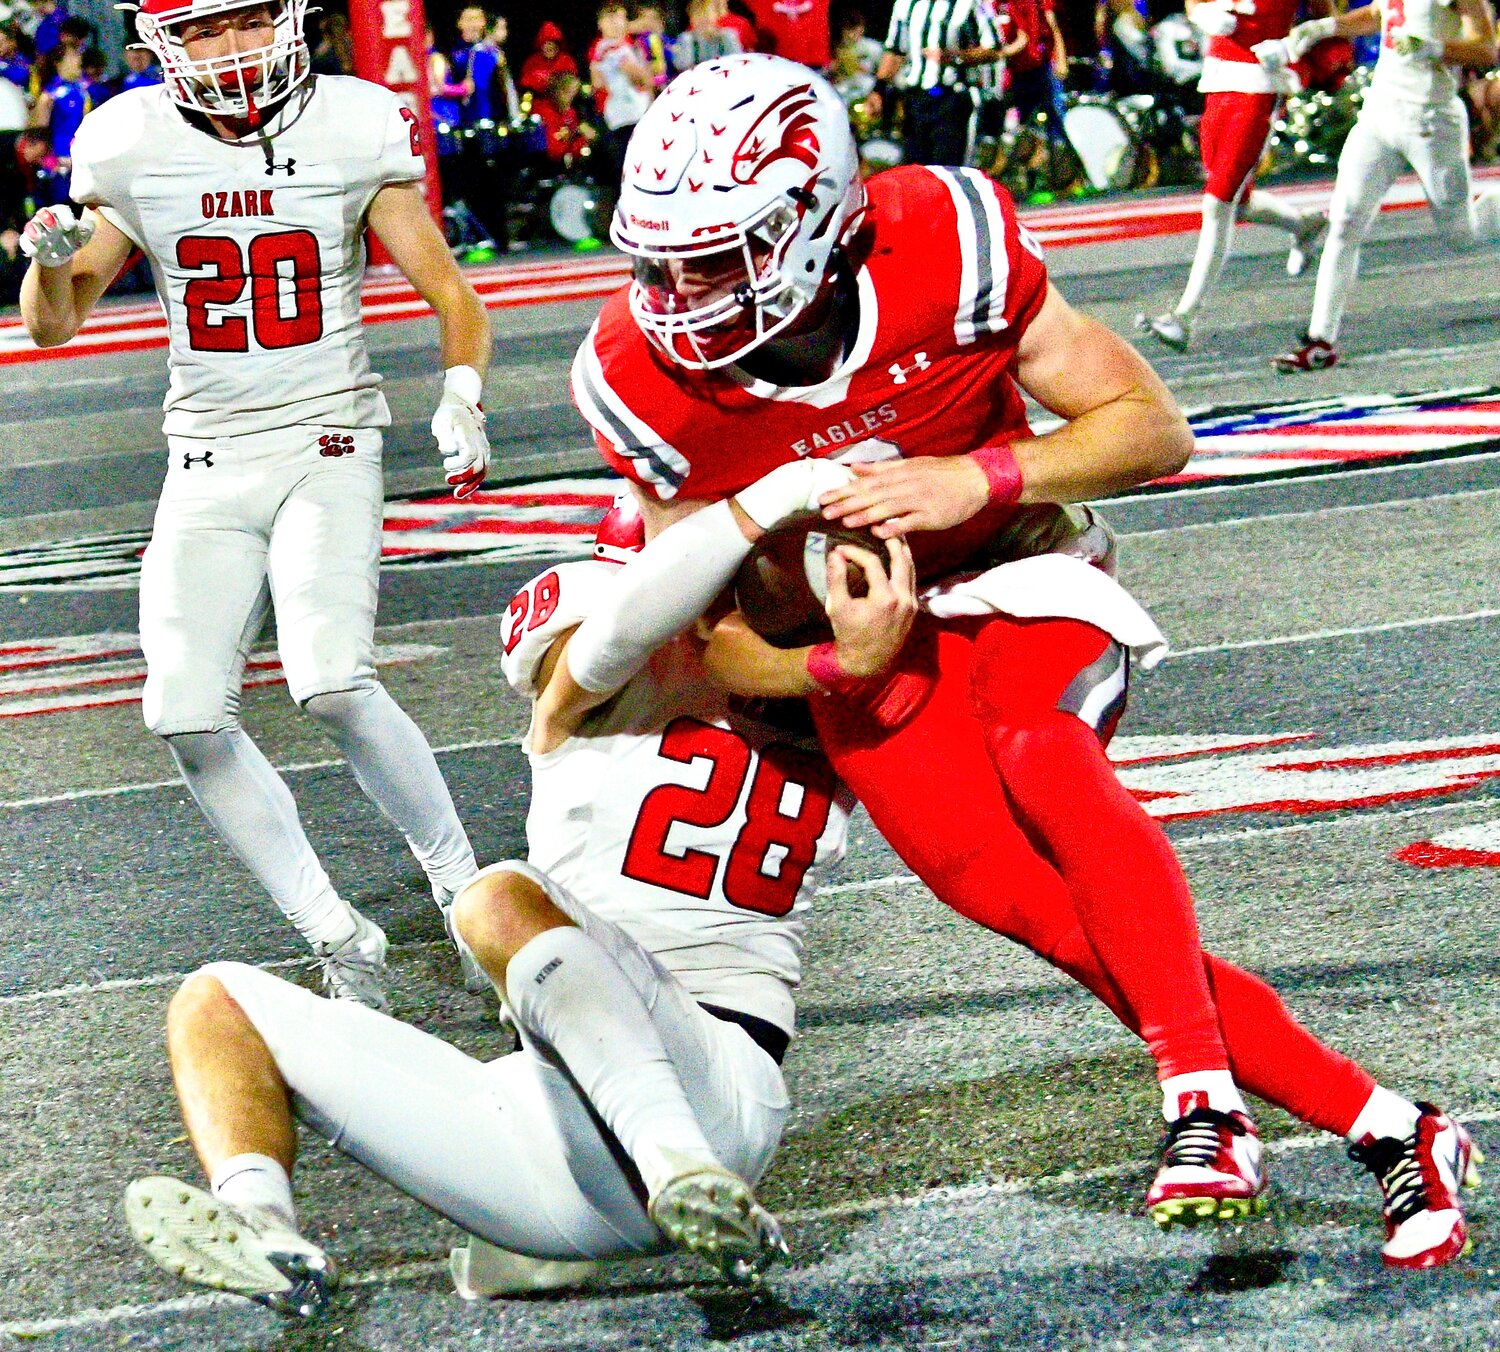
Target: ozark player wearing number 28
<point>248,184</point>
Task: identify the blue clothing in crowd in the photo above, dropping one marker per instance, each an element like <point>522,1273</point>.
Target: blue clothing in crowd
<point>71,101</point>
<point>478,64</point>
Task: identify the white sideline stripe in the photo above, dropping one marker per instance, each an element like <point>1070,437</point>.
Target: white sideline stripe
<point>960,1195</point>
<point>1317,635</point>
<point>1307,512</point>
<point>114,791</point>
<point>1205,490</point>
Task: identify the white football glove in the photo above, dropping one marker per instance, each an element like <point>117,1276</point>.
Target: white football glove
<point>1416,47</point>
<point>1273,54</point>
<point>1213,18</point>
<point>1305,36</point>
<point>789,489</point>
<point>458,426</point>
<point>53,236</point>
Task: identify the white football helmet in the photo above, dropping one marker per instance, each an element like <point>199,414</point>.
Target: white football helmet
<point>236,85</point>
<point>740,182</point>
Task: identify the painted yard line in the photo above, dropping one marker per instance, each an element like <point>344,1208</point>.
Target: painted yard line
<point>1318,635</point>
<point>1360,818</point>
<point>961,1195</point>
<point>1309,512</point>
<point>1204,490</point>
<point>116,790</point>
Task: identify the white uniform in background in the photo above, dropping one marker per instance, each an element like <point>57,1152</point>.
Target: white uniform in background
<point>273,488</point>
<point>683,841</point>
<point>1412,118</point>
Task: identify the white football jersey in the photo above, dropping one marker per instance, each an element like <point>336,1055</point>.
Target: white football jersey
<point>1415,79</point>
<point>256,247</point>
<point>698,830</point>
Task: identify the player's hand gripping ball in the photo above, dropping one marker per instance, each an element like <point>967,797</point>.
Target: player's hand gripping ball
<point>782,586</point>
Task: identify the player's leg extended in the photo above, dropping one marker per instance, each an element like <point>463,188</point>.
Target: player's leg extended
<point>323,563</point>
<point>203,597</point>
<point>1232,135</point>
<point>1368,165</point>
<point>696,1105</point>
<point>1438,149</point>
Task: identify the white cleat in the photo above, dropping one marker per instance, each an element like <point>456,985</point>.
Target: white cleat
<point>355,969</point>
<point>1169,329</point>
<point>254,1253</point>
<point>713,1213</point>
<point>1307,239</point>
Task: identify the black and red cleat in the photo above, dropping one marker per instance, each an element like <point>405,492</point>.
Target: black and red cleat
<point>1314,355</point>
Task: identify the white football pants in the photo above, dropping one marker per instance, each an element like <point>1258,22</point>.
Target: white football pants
<point>1389,137</point>
<point>291,517</point>
<point>510,1150</point>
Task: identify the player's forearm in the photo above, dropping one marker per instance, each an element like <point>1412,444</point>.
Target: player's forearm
<point>1357,23</point>
<point>49,305</point>
<point>740,662</point>
<point>464,326</point>
<point>1133,439</point>
<point>1471,53</point>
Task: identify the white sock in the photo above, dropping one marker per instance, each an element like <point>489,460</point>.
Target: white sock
<point>1336,272</point>
<point>246,1181</point>
<point>1385,1114</point>
<point>250,806</point>
<point>1263,208</point>
<point>1208,261</point>
<point>394,765</point>
<point>568,994</point>
<point>1484,211</point>
<point>1200,1089</point>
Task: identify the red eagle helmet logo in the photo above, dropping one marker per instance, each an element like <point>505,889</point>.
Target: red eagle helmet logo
<point>786,130</point>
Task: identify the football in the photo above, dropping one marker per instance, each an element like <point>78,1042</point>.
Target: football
<point>782,585</point>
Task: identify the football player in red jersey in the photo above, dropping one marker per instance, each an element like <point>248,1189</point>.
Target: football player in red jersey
<point>780,315</point>
<point>1241,99</point>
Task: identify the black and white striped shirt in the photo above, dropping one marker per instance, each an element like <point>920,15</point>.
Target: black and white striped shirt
<point>949,24</point>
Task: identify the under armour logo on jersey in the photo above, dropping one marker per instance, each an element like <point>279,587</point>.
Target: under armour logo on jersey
<point>206,460</point>
<point>899,373</point>
<point>333,444</point>
<point>286,167</point>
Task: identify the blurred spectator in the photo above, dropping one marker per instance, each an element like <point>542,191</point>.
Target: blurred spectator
<point>502,84</point>
<point>855,59</point>
<point>1083,24</point>
<point>648,27</point>
<point>334,54</point>
<point>704,39</point>
<point>94,65</point>
<point>623,84</point>
<point>795,29</point>
<point>51,15</point>
<point>65,98</point>
<point>1036,70</point>
<point>548,58</point>
<point>1178,47</point>
<point>1130,49</point>
<point>140,69</point>
<point>734,16</point>
<point>14,63</point>
<point>567,135</point>
<point>478,70</point>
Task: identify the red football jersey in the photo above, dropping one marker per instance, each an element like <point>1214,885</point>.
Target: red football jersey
<point>948,281</point>
<point>1258,21</point>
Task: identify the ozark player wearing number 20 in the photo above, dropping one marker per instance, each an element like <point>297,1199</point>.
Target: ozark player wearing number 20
<point>248,184</point>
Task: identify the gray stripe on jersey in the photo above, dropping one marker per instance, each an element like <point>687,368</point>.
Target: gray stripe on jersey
<point>648,459</point>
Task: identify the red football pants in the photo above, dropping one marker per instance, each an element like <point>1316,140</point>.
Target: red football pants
<point>1000,797</point>
<point>1232,137</point>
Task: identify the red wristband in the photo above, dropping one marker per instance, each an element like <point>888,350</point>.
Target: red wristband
<point>1001,471</point>
<point>890,699</point>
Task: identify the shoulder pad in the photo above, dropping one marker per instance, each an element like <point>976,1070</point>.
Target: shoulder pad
<point>552,603</point>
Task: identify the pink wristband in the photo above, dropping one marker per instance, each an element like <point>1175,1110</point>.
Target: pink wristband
<point>824,667</point>
<point>998,462</point>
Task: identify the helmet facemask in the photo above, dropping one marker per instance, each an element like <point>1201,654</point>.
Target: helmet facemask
<point>706,306</point>
<point>236,85</point>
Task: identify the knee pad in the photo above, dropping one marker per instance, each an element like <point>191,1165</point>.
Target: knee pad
<point>197,752</point>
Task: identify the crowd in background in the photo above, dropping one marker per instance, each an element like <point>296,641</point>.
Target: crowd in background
<point>519,114</point>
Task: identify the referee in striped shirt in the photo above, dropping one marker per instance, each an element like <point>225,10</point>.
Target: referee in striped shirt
<point>945,51</point>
